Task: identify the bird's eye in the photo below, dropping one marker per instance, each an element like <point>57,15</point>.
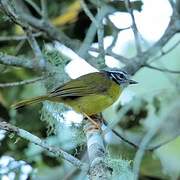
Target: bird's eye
<point>121,75</point>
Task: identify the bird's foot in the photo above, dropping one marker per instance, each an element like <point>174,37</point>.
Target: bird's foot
<point>95,120</point>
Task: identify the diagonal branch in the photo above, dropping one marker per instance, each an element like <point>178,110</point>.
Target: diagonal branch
<point>99,26</point>
<point>162,69</point>
<point>166,52</point>
<point>138,62</point>
<point>36,49</point>
<point>172,116</point>
<point>56,151</point>
<point>29,81</point>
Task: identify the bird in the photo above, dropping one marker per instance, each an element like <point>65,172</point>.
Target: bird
<point>88,94</point>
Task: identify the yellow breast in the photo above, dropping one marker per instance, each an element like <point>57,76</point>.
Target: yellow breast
<point>95,103</point>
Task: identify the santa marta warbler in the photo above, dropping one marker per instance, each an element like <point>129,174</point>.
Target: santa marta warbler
<point>89,94</point>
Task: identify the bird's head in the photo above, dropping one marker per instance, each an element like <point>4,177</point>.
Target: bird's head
<point>120,77</point>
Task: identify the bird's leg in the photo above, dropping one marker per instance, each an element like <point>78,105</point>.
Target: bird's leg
<point>99,117</point>
<point>97,125</point>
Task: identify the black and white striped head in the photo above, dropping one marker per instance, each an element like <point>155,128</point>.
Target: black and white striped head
<point>120,77</point>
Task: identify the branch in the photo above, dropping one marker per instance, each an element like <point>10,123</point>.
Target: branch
<point>105,10</point>
<point>29,81</point>
<point>19,47</point>
<point>134,27</point>
<point>172,116</point>
<point>138,62</point>
<point>162,69</point>
<point>168,34</point>
<point>140,153</point>
<point>20,62</point>
<point>96,152</point>
<point>100,30</point>
<point>51,31</point>
<point>88,13</point>
<point>100,34</point>
<point>109,52</point>
<point>166,52</point>
<point>36,8</point>
<point>124,139</point>
<point>115,33</point>
<point>40,24</point>
<point>44,11</point>
<point>122,136</point>
<point>18,38</point>
<point>57,152</point>
<point>34,45</point>
<point>11,10</point>
<point>153,148</point>
<point>91,32</point>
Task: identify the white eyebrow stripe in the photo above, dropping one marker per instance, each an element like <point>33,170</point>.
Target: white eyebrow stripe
<point>116,77</point>
<point>113,75</point>
<point>118,72</point>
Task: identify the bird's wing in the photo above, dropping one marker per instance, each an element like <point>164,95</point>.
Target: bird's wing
<point>82,86</point>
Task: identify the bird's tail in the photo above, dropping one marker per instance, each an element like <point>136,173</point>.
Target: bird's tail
<point>29,101</point>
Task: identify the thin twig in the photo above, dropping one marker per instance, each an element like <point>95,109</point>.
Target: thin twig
<point>14,14</point>
<point>162,69</point>
<point>56,151</point>
<point>121,58</point>
<point>18,38</point>
<point>8,7</point>
<point>137,146</point>
<point>99,25</point>
<point>34,45</point>
<point>88,13</point>
<point>115,33</point>
<point>100,33</point>
<point>44,11</point>
<point>134,27</point>
<point>109,52</point>
<point>166,52</point>
<point>91,32</point>
<point>19,83</point>
<point>139,61</point>
<point>19,47</point>
<point>152,148</point>
<point>33,4</point>
<point>120,136</point>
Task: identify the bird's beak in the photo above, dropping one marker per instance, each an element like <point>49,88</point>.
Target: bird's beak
<point>132,81</point>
